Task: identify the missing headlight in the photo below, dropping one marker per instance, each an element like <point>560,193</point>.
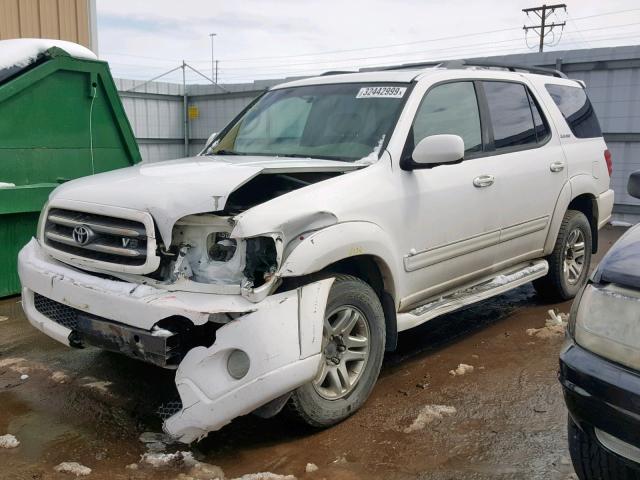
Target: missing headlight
<point>220,247</point>
<point>262,260</point>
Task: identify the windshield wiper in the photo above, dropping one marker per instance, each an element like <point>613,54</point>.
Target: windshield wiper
<point>315,157</point>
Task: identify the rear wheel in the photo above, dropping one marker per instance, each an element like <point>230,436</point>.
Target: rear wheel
<point>352,350</point>
<point>570,260</point>
<point>592,461</point>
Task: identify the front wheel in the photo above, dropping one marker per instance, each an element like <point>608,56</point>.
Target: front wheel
<point>570,260</point>
<point>592,461</point>
<point>352,350</point>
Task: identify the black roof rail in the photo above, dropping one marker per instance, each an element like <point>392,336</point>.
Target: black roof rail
<point>408,66</point>
<point>507,66</point>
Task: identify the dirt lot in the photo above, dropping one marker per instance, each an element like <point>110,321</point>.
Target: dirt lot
<point>507,421</point>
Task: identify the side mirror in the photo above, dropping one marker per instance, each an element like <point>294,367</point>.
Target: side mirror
<point>211,137</point>
<point>436,149</point>
<point>209,140</point>
<point>633,186</point>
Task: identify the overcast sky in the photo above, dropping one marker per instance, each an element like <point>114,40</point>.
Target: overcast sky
<point>258,39</point>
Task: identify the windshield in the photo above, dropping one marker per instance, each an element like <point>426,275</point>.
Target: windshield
<point>340,122</point>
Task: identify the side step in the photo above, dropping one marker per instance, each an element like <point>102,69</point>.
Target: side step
<point>486,288</point>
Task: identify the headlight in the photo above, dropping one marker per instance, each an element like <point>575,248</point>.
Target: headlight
<point>607,322</point>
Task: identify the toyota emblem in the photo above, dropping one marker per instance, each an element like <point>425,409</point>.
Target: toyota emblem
<point>82,234</point>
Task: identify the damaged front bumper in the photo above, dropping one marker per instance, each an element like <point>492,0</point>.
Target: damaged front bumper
<point>280,337</point>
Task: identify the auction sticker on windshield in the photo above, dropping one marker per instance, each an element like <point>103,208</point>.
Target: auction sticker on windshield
<point>381,92</point>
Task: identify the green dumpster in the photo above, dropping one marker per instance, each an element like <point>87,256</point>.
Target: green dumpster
<point>60,118</point>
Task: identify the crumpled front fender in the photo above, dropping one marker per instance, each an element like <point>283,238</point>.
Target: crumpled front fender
<point>282,338</point>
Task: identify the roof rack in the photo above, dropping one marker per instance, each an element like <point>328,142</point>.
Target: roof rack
<point>511,67</point>
<point>337,72</point>
<point>404,66</point>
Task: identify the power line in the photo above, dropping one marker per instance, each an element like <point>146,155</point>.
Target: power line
<point>310,71</point>
<point>465,54</point>
<point>230,60</point>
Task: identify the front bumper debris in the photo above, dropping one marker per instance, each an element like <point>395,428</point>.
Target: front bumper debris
<point>281,335</point>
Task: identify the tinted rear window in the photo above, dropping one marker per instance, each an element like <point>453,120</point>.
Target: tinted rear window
<point>576,109</point>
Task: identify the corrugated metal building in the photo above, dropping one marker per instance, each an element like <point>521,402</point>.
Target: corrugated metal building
<point>72,20</point>
<point>612,76</point>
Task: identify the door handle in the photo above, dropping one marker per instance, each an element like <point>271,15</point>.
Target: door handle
<point>483,181</point>
<point>556,167</point>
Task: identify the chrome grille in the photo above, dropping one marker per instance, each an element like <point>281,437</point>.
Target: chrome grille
<point>58,312</point>
<point>98,237</point>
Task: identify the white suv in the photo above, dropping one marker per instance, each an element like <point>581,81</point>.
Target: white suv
<point>276,267</point>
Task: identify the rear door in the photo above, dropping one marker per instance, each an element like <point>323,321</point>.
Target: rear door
<point>532,168</point>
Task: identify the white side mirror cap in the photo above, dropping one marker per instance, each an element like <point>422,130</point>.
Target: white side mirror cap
<point>436,149</point>
<point>211,137</point>
<point>209,140</point>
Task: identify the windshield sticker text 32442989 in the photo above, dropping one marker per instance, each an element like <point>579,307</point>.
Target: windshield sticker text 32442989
<point>381,92</point>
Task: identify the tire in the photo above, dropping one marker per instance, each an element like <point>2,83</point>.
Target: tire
<point>322,402</point>
<point>563,284</point>
<point>592,461</point>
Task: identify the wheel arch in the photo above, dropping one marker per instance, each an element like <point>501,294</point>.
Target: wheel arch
<point>360,249</point>
<point>577,194</point>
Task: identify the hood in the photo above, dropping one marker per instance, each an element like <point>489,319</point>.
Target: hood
<point>174,189</point>
<point>621,265</point>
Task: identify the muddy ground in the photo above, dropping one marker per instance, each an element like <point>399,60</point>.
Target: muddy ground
<point>90,407</point>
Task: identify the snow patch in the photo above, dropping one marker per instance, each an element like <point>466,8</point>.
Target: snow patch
<point>462,369</point>
<point>3,318</point>
<point>502,280</point>
<point>265,476</point>
<point>8,441</point>
<point>74,468</point>
<point>59,377</point>
<point>24,376</point>
<point>311,467</point>
<point>428,414</point>
<point>555,326</point>
<point>99,385</point>
<point>160,460</point>
<point>21,52</point>
<point>374,155</point>
<point>203,471</point>
<point>619,223</point>
<point>156,331</point>
<point>8,362</point>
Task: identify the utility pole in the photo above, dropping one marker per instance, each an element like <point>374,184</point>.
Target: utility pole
<point>185,108</point>
<point>543,13</point>
<point>213,69</point>
<point>216,80</point>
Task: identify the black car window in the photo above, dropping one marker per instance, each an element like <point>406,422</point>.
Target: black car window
<point>511,114</point>
<point>450,108</point>
<point>576,110</point>
<point>541,126</point>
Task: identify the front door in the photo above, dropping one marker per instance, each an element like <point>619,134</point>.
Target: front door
<point>453,209</point>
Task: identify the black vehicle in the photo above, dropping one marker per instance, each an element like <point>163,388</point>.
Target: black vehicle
<point>600,364</point>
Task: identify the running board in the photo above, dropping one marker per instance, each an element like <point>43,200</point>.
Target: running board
<point>486,288</point>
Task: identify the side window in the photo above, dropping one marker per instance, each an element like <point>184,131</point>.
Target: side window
<point>576,110</point>
<point>450,108</point>
<point>511,114</point>
<point>542,129</point>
